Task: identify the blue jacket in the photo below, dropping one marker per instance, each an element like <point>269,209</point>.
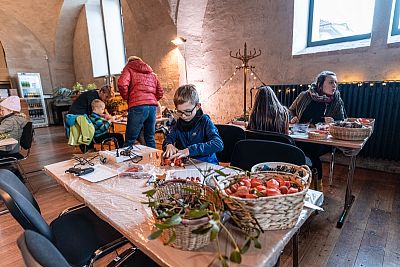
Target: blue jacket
<point>202,139</point>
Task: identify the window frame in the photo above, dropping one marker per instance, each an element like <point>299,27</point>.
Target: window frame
<point>396,20</point>
<point>311,43</point>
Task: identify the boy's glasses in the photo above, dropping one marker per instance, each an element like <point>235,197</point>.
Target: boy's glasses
<point>186,112</point>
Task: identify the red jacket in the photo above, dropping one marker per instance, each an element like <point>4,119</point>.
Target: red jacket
<point>138,84</point>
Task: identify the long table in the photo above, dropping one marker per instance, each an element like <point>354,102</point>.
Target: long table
<point>349,149</point>
<point>118,201</point>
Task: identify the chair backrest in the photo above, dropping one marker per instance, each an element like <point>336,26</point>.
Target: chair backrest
<point>27,136</point>
<point>38,251</point>
<point>21,204</point>
<point>269,136</point>
<point>249,152</point>
<point>230,134</point>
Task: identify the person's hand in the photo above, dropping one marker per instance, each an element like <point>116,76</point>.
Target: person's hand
<point>170,150</point>
<point>111,119</point>
<point>107,116</point>
<point>181,154</point>
<point>294,120</point>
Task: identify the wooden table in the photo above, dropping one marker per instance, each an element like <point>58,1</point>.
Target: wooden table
<point>118,201</point>
<point>350,149</point>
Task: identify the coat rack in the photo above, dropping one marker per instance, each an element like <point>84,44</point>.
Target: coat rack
<point>245,58</point>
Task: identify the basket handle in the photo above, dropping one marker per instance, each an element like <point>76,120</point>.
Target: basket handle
<point>308,182</point>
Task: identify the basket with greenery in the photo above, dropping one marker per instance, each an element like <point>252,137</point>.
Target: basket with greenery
<point>189,215</point>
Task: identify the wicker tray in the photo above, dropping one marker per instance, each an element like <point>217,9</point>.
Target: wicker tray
<point>274,212</point>
<point>351,134</point>
<point>185,239</point>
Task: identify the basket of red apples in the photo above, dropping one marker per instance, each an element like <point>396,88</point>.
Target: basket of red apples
<point>275,197</point>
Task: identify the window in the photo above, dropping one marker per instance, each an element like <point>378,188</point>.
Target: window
<point>106,42</point>
<point>339,21</point>
<point>396,19</point>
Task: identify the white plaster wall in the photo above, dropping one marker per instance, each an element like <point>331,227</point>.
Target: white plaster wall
<point>268,25</point>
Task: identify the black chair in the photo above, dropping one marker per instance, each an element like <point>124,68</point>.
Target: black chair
<point>269,136</point>
<point>230,134</point>
<point>249,152</point>
<point>78,234</point>
<point>37,251</point>
<point>25,143</point>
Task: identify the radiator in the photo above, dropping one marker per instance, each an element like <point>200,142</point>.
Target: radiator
<point>378,100</point>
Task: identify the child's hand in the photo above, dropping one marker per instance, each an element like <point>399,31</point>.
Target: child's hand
<point>181,154</point>
<point>107,116</point>
<point>170,151</point>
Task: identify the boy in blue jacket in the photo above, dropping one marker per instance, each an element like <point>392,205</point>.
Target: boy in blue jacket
<point>101,125</point>
<point>194,134</point>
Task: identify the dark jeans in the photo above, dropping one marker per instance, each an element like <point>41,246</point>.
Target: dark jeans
<point>118,136</point>
<point>141,117</point>
<point>314,151</point>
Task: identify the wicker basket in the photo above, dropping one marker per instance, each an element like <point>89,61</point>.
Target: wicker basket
<point>364,121</point>
<point>351,134</point>
<point>185,239</point>
<point>274,212</point>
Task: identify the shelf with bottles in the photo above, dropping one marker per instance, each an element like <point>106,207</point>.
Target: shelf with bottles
<point>35,104</point>
<point>36,113</point>
<point>29,93</point>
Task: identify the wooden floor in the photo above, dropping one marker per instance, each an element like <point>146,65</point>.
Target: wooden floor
<point>370,236</point>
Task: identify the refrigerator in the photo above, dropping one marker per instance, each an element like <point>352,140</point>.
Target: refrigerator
<point>30,89</point>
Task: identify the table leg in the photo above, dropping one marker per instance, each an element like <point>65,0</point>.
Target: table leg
<point>349,198</point>
<point>295,240</point>
<point>331,165</point>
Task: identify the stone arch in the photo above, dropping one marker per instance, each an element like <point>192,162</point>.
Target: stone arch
<point>63,68</point>
<point>24,51</point>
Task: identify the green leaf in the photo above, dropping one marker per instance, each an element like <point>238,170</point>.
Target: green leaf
<point>219,172</point>
<point>257,243</point>
<point>214,232</point>
<point>204,205</point>
<point>246,246</point>
<point>155,234</point>
<point>150,192</point>
<point>202,230</point>
<point>215,216</point>
<point>223,262</point>
<point>191,190</point>
<point>197,213</point>
<point>174,220</point>
<point>171,239</point>
<point>163,225</point>
<point>235,256</point>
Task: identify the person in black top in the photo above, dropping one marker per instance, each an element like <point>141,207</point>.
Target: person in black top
<point>321,102</point>
<point>83,104</point>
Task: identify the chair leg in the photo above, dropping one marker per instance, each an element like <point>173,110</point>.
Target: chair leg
<point>4,210</point>
<point>25,178</point>
<point>331,166</point>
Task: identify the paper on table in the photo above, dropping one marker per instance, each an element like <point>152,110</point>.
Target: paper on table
<point>100,173</point>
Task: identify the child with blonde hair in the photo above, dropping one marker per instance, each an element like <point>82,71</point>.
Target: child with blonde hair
<point>102,125</point>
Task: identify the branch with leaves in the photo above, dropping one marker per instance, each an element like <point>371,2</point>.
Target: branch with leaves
<point>198,201</point>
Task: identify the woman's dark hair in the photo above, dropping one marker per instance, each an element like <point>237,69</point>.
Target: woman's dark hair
<point>268,114</point>
<point>319,81</point>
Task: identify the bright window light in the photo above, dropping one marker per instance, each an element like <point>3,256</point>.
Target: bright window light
<point>106,47</point>
<point>339,21</point>
<point>396,19</point>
